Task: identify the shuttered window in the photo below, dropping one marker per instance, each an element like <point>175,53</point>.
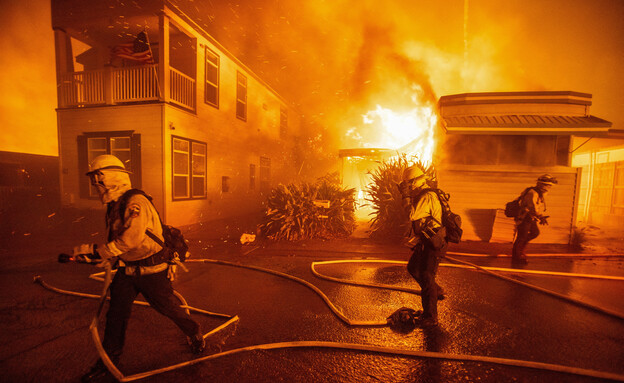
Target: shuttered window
<point>124,145</point>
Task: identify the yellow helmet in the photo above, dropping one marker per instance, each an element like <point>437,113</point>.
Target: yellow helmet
<point>547,179</point>
<point>415,173</point>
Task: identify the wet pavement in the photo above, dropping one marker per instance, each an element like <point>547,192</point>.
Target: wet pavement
<point>45,335</point>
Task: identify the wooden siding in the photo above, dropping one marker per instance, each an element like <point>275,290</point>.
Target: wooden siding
<point>477,193</point>
<point>232,144</point>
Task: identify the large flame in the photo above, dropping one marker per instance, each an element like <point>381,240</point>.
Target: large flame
<point>410,132</point>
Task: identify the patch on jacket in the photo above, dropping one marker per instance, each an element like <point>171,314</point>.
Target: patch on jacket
<point>134,210</point>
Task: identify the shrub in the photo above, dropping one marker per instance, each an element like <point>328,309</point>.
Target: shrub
<point>291,213</point>
<point>389,217</point>
<point>578,238</point>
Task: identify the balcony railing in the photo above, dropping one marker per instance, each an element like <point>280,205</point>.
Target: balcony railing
<point>182,89</point>
<point>119,85</point>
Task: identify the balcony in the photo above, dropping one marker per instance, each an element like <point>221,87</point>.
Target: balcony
<point>111,86</point>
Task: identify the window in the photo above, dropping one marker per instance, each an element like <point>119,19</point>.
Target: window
<point>189,168</point>
<point>265,173</point>
<point>211,87</point>
<point>122,144</point>
<point>241,96</point>
<point>252,176</point>
<point>283,122</point>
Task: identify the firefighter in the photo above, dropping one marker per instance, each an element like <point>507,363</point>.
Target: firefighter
<point>142,267</point>
<point>426,239</point>
<point>532,212</point>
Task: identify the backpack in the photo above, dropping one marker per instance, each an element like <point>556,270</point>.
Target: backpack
<point>174,241</point>
<point>513,209</point>
<point>451,221</point>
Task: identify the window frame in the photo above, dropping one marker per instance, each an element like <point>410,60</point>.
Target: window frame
<point>190,176</point>
<point>241,99</point>
<point>132,165</point>
<point>264,174</point>
<point>217,65</point>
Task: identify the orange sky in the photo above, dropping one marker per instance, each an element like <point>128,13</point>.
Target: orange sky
<point>331,56</point>
<point>27,78</point>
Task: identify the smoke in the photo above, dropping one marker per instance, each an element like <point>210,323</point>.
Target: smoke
<point>27,79</point>
<point>337,59</point>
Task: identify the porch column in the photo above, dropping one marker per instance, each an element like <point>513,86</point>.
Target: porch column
<point>163,61</point>
<point>64,64</point>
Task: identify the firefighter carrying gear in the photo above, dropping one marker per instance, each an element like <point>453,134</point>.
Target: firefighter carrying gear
<point>424,211</point>
<point>127,243</point>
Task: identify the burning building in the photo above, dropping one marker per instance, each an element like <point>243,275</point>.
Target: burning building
<point>202,133</point>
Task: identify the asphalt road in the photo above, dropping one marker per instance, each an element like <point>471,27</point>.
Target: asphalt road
<point>44,335</point>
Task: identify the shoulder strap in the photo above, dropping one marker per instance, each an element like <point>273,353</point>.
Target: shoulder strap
<point>420,194</point>
<point>123,200</point>
<point>442,198</point>
<point>122,209</point>
<point>155,238</point>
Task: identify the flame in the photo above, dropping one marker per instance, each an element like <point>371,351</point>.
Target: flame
<point>410,132</point>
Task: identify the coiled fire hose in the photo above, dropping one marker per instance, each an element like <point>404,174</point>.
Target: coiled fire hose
<point>318,344</point>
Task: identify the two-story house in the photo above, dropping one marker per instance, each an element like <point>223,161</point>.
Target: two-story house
<point>199,131</point>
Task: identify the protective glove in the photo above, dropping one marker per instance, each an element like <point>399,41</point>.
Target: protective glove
<point>87,252</point>
<point>172,272</point>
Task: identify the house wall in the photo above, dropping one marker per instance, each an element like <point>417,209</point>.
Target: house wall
<point>145,120</point>
<point>232,144</point>
<point>478,191</point>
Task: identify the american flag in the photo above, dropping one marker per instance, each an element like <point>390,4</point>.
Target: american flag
<point>139,50</point>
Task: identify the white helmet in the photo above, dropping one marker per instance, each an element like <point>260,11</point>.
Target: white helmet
<point>106,162</point>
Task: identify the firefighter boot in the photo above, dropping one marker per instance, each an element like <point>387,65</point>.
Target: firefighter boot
<point>198,343</point>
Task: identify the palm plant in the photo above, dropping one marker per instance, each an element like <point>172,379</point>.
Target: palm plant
<point>389,217</point>
<point>292,214</point>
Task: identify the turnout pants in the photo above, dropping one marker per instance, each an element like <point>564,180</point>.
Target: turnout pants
<point>157,291</point>
<point>423,267</point>
<point>526,231</point>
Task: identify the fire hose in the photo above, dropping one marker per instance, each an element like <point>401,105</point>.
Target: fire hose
<point>486,270</point>
<point>315,344</point>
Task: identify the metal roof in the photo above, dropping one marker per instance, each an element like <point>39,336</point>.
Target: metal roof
<point>525,124</point>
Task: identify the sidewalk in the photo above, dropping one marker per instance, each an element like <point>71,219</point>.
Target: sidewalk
<point>224,237</point>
